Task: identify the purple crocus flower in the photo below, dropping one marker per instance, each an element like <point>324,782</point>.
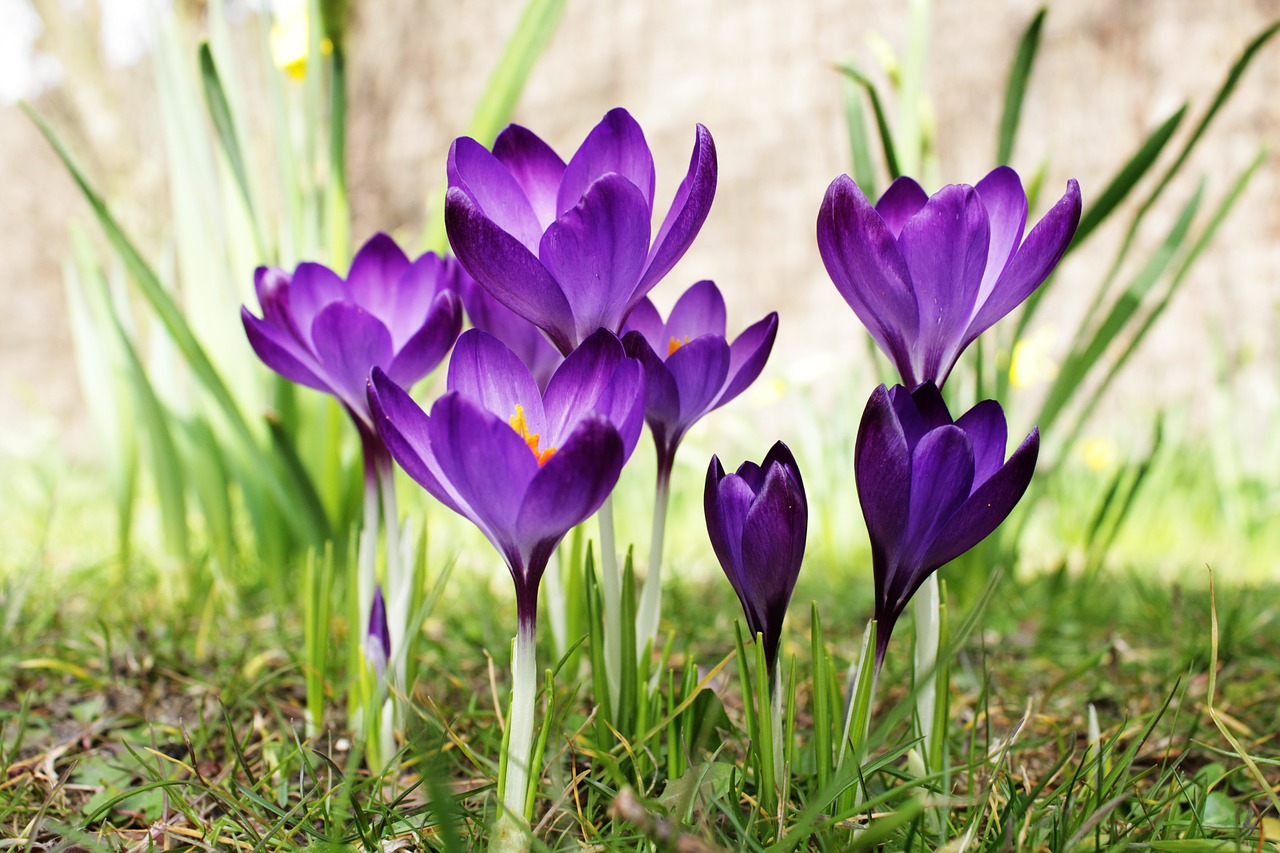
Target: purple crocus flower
<point>522,465</point>
<point>326,333</point>
<point>570,247</point>
<point>690,368</point>
<point>931,488</point>
<point>520,336</point>
<point>927,274</point>
<point>757,519</point>
<point>377,641</point>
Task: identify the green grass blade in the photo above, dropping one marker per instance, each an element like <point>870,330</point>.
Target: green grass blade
<point>1016,90</point>
<point>220,114</point>
<point>506,82</point>
<point>864,171</point>
<point>882,121</point>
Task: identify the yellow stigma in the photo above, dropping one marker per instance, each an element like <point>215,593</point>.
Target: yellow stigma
<point>521,426</point>
<point>675,345</point>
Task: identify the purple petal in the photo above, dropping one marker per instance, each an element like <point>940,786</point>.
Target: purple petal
<point>772,537</point>
<point>282,353</point>
<point>507,269</point>
<point>493,190</point>
<point>985,426</point>
<point>645,320</point>
<point>615,145</point>
<point>597,377</point>
<point>863,260</point>
<point>699,311</point>
<point>1031,265</point>
<point>1006,205</point>
<point>485,371</point>
<point>428,347</point>
<point>941,481</point>
<point>349,343</point>
<point>311,288</point>
<point>272,286</point>
<point>536,168</point>
<point>409,302</point>
<point>882,470</point>
<point>726,501</point>
<point>928,401</point>
<point>374,280</point>
<point>662,397</point>
<point>522,337</point>
<point>402,425</point>
<point>747,356</point>
<point>699,369</point>
<point>900,202</point>
<point>595,252</point>
<point>573,483</point>
<point>945,247</point>
<point>688,211</point>
<point>987,507</point>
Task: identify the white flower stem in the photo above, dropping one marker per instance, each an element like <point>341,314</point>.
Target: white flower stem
<point>611,585</point>
<point>926,604</point>
<point>650,612</point>
<point>399,584</point>
<point>511,831</point>
<point>775,720</point>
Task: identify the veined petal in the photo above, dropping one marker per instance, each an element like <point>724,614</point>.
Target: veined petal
<point>493,190</point>
<point>699,311</point>
<point>282,353</point>
<point>1006,205</point>
<point>645,320</point>
<point>988,433</point>
<point>614,145</point>
<point>589,381</point>
<point>508,270</point>
<point>522,337</point>
<point>595,252</point>
<point>747,356</point>
<point>374,281</point>
<point>862,257</point>
<point>407,306</point>
<point>485,371</point>
<point>536,168</point>
<point>312,287</point>
<point>349,343</point>
<point>684,218</point>
<point>900,202</point>
<point>945,247</point>
<point>429,345</point>
<point>699,369</point>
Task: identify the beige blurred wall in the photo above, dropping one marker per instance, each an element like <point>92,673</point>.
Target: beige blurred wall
<point>759,76</point>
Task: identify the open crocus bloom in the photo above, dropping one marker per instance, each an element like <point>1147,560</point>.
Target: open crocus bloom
<point>757,519</point>
<point>927,274</point>
<point>931,488</point>
<point>690,368</point>
<point>326,333</point>
<point>523,466</point>
<point>570,247</point>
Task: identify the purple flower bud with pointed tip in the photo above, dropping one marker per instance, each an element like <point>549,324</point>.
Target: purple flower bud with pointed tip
<point>757,519</point>
<point>690,368</point>
<point>927,274</point>
<point>326,333</point>
<point>570,247</point>
<point>931,488</point>
<point>520,336</point>
<point>522,465</point>
<point>377,641</point>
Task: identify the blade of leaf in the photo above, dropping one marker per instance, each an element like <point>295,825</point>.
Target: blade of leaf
<point>882,121</point>
<point>1016,90</point>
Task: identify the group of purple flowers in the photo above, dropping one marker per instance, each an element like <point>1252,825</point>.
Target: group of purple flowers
<point>567,358</point>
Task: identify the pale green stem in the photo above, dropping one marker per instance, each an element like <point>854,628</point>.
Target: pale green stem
<point>611,586</point>
<point>650,612</point>
<point>511,831</point>
<point>557,606</point>
<point>775,720</point>
<point>926,604</point>
<point>399,586</point>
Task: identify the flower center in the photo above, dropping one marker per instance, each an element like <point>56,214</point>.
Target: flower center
<point>675,345</point>
<point>521,426</point>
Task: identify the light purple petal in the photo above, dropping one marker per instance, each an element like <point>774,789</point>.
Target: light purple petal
<point>644,318</point>
<point>699,369</point>
<point>945,247</point>
<point>573,483</point>
<point>522,337</point>
<point>282,353</point>
<point>863,260</point>
<point>699,311</point>
<point>985,426</point>
<point>428,347</point>
<point>349,343</point>
<point>615,145</point>
<point>684,218</point>
<point>536,168</point>
<point>507,269</point>
<point>374,280</point>
<point>595,378</point>
<point>485,371</point>
<point>493,190</point>
<point>595,252</point>
<point>900,202</point>
<point>272,286</point>
<point>402,425</point>
<point>1006,205</point>
<point>311,288</point>
<point>414,293</point>
<point>747,356</point>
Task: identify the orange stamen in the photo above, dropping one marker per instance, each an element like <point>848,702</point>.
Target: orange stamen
<point>675,345</point>
<point>521,426</point>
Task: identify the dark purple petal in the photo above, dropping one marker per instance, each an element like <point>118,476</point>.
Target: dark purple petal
<point>522,337</point>
<point>374,280</point>
<point>507,269</point>
<point>985,426</point>
<point>726,501</point>
<point>941,481</point>
<point>645,320</point>
<point>699,311</point>
<point>536,168</point>
<point>402,425</point>
<point>945,247</point>
<point>282,353</point>
<point>699,369</point>
<point>311,288</point>
<point>473,170</point>
<point>573,483</point>
<point>773,535</point>
<point>272,286</point>
<point>900,202</point>
<point>429,345</point>
<point>862,257</point>
<point>987,507</point>
<point>595,251</point>
<point>489,374</point>
<point>1006,205</point>
<point>747,356</point>
<point>662,397</point>
<point>616,145</point>
<point>1031,265</point>
<point>931,407</point>
<point>882,470</point>
<point>378,637</point>
<point>688,211</point>
<point>349,343</point>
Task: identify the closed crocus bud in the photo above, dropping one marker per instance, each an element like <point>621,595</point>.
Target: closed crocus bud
<point>377,641</point>
<point>757,518</point>
<point>931,488</point>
